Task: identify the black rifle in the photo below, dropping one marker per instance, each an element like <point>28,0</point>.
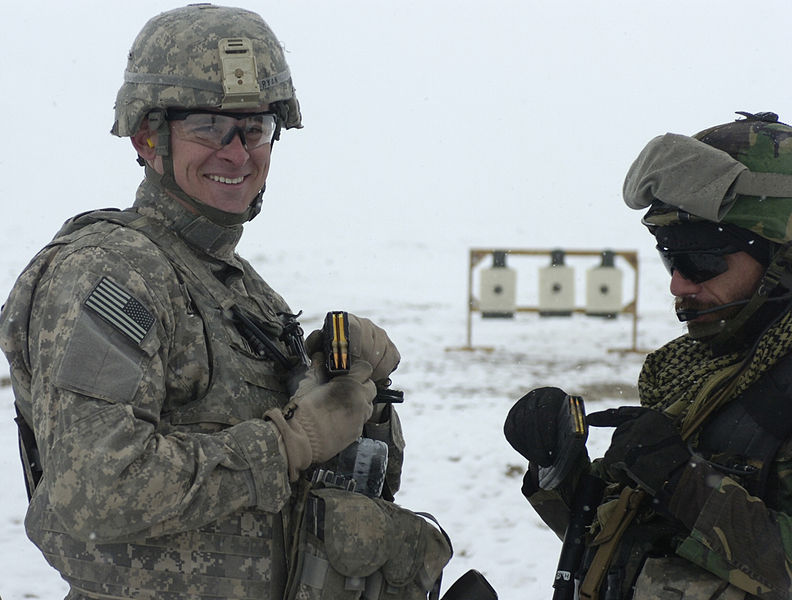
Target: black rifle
<point>584,504</point>
<point>572,436</point>
<point>570,444</point>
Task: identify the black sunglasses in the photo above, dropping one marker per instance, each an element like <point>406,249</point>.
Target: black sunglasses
<point>697,266</point>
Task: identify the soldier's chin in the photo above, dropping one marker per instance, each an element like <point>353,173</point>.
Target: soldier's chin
<point>707,326</point>
<point>704,330</point>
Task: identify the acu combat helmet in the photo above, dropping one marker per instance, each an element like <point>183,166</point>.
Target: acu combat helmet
<point>203,56</point>
<point>732,181</point>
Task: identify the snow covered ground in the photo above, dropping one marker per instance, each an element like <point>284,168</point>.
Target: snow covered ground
<point>431,127</point>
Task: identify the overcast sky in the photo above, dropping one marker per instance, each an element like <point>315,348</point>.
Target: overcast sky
<point>507,123</point>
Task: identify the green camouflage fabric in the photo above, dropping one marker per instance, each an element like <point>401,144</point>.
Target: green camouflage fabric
<point>743,540</point>
<point>175,61</point>
<point>745,545</point>
<point>711,538</point>
<point>740,540</point>
<point>760,143</point>
<point>669,578</point>
<point>161,479</point>
<point>770,219</point>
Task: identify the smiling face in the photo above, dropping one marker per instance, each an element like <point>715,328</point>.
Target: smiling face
<point>227,179</point>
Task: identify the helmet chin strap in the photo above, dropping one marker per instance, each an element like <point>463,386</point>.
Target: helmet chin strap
<point>167,181</point>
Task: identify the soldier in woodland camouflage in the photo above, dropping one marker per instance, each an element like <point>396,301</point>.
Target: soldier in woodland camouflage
<point>697,502</point>
<point>168,447</point>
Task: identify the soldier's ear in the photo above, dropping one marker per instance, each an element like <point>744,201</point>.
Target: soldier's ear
<point>145,142</point>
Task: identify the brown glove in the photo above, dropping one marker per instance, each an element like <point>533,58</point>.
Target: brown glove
<point>368,342</point>
<point>327,415</point>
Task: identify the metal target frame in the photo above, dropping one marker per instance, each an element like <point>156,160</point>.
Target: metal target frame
<point>477,255</point>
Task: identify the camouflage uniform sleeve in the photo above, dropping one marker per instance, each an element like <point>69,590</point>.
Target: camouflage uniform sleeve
<point>553,506</point>
<point>735,535</point>
<point>99,391</point>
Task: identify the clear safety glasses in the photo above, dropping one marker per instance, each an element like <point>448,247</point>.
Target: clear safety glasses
<point>216,129</point>
<point>697,266</point>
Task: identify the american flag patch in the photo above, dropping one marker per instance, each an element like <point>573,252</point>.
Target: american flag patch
<point>120,309</point>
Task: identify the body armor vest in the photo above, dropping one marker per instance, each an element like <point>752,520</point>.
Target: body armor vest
<point>740,440</point>
<point>743,437</point>
<point>240,556</point>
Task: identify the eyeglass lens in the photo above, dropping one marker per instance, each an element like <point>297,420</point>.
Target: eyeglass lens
<point>695,266</point>
<point>217,130</point>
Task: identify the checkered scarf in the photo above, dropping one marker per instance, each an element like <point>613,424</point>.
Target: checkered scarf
<point>685,379</point>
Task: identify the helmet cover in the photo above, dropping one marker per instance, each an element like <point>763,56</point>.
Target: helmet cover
<point>738,174</point>
<point>205,56</point>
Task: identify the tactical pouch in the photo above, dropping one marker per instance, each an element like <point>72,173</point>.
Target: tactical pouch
<point>674,577</point>
<point>354,547</point>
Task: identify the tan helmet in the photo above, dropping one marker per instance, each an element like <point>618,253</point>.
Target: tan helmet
<point>205,56</point>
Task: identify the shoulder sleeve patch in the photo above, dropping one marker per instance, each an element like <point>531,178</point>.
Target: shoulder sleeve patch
<point>116,306</point>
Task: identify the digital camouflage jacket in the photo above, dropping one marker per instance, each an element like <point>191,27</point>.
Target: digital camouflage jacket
<point>160,477</point>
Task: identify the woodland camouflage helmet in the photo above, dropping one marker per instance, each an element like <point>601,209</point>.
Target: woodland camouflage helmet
<point>209,57</point>
<point>734,181</point>
<point>764,145</point>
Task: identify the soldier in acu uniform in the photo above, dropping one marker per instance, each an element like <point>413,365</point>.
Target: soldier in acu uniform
<point>697,500</point>
<point>168,409</point>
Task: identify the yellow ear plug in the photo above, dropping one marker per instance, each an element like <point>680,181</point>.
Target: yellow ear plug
<point>149,142</point>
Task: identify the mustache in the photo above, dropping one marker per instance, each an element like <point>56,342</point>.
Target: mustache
<point>692,304</point>
<point>690,308</point>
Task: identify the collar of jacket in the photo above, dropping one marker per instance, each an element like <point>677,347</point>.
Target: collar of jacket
<point>217,241</point>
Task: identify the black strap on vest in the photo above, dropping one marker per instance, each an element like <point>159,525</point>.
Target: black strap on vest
<point>742,438</point>
<point>29,453</point>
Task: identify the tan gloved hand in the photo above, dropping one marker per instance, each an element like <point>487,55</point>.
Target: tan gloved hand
<point>327,415</point>
<point>367,342</point>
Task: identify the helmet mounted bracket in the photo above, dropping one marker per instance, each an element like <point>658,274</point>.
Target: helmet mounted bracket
<point>239,73</point>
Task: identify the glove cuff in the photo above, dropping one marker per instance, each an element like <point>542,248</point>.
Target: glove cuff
<point>299,449</point>
<point>306,421</point>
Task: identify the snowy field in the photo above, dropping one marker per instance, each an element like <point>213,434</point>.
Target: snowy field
<point>431,127</point>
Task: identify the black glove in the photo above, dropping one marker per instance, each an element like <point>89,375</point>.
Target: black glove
<point>531,426</point>
<point>645,449</point>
